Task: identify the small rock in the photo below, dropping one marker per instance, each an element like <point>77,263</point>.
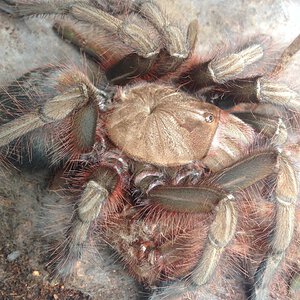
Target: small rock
<point>36,273</point>
<point>13,255</point>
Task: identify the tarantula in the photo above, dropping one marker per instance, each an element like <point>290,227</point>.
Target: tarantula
<point>152,163</point>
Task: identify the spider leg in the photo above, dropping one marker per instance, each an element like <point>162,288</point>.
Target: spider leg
<point>60,118</point>
<point>98,191</point>
<point>221,75</point>
<point>261,90</point>
<point>55,109</point>
<point>136,34</point>
<point>8,7</point>
<point>259,166</point>
<point>221,69</point>
<point>121,62</point>
<point>286,193</point>
<point>287,55</point>
<point>178,44</point>
<point>220,234</point>
<point>78,234</point>
<point>150,40</point>
<point>265,89</point>
<point>270,126</point>
<point>220,196</point>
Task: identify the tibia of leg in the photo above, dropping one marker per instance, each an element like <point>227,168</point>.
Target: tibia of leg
<point>271,127</point>
<point>88,209</point>
<point>18,127</point>
<point>220,234</point>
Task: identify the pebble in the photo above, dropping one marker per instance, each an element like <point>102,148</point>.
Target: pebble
<point>13,255</point>
<point>36,273</point>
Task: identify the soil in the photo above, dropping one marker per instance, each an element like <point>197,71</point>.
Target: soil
<point>22,272</point>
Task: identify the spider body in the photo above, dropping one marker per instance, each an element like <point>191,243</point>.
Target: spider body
<point>173,183</point>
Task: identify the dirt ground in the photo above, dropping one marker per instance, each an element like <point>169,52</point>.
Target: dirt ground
<point>27,44</point>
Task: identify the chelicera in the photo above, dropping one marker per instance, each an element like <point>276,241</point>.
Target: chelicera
<point>160,172</point>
